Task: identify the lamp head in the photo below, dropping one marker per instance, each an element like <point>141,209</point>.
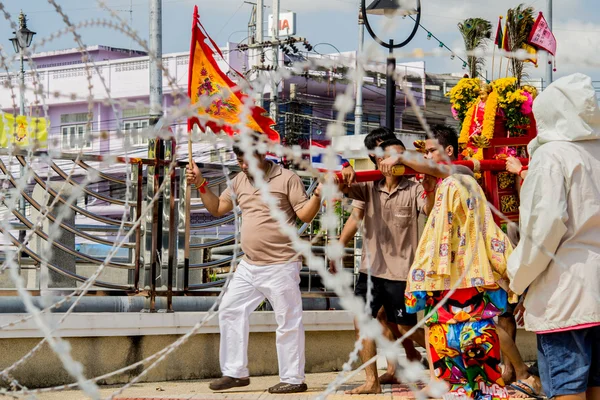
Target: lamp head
<point>389,8</point>
<point>24,36</point>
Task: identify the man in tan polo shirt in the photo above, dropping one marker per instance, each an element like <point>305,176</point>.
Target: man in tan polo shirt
<point>270,269</point>
<point>390,239</point>
<point>373,140</point>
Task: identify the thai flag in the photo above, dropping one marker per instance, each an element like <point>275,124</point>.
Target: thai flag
<point>273,157</point>
<point>317,157</point>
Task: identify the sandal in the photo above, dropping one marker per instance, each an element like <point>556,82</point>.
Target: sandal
<point>283,387</point>
<point>526,390</point>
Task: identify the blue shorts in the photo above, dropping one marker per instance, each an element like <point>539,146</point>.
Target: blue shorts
<point>569,361</point>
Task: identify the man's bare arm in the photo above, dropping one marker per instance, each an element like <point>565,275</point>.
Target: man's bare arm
<point>415,161</point>
<point>348,232</point>
<point>211,201</point>
<point>311,208</point>
<point>351,226</point>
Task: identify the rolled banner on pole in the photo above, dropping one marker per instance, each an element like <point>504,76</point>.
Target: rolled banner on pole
<point>190,133</point>
<point>399,170</point>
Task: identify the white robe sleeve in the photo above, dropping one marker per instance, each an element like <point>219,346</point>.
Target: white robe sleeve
<point>543,214</point>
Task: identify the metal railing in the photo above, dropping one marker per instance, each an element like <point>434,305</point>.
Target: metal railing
<point>167,253</point>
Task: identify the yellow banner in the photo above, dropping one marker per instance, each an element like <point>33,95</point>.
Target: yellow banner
<point>23,131</point>
<point>531,51</point>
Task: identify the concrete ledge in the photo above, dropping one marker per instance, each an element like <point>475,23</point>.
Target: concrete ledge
<point>105,342</point>
<point>178,323</point>
<point>108,342</point>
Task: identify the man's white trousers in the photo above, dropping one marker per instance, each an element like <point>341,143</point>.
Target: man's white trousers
<point>248,288</point>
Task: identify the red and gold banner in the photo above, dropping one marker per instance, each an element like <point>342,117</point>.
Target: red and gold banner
<point>226,99</point>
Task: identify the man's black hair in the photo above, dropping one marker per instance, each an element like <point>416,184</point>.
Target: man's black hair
<point>378,135</point>
<point>238,151</point>
<point>392,142</point>
<point>446,136</point>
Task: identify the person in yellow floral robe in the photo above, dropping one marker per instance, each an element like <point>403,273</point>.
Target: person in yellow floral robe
<point>462,248</point>
<point>459,276</point>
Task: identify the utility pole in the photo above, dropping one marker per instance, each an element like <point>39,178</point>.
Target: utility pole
<point>155,149</point>
<point>275,36</point>
<point>358,110</point>
<point>390,90</point>
<point>549,66</point>
<point>259,39</point>
<point>259,20</point>
<point>156,94</point>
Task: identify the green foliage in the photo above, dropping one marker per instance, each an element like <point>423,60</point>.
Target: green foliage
<point>520,21</point>
<point>340,211</point>
<point>261,306</point>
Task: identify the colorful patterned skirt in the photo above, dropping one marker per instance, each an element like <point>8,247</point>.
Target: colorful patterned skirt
<point>467,356</point>
<point>464,344</point>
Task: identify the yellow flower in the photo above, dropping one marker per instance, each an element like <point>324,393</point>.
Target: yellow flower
<point>503,83</point>
<point>489,116</point>
<point>466,126</point>
<point>466,90</point>
<point>489,119</point>
<point>478,155</point>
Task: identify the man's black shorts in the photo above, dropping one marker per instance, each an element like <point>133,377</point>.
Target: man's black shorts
<point>390,295</point>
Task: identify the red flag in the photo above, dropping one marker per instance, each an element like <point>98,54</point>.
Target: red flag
<point>205,78</point>
<point>541,36</point>
<point>499,36</point>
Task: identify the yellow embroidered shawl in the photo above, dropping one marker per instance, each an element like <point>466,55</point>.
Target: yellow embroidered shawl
<point>451,243</point>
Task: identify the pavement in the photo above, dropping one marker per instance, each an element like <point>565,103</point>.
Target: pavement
<point>198,390</point>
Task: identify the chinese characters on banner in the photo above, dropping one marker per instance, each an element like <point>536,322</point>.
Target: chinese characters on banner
<point>542,37</point>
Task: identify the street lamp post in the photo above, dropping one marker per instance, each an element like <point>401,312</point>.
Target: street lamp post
<point>390,8</point>
<point>21,41</point>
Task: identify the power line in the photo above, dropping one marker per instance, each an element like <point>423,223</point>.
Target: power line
<point>442,45</point>
<point>230,18</point>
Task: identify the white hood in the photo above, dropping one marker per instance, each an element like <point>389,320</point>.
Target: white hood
<point>567,111</point>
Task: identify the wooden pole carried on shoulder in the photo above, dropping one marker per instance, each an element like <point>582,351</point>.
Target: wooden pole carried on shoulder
<point>400,170</point>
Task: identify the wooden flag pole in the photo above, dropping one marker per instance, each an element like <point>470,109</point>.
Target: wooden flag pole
<point>493,61</point>
<point>497,42</point>
<point>187,234</point>
<point>508,41</point>
<point>190,133</point>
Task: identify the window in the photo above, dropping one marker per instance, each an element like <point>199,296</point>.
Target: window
<point>75,118</point>
<point>135,112</point>
<point>76,137</point>
<point>135,129</point>
<point>214,156</point>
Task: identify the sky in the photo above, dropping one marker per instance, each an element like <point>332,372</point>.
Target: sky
<point>327,24</point>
